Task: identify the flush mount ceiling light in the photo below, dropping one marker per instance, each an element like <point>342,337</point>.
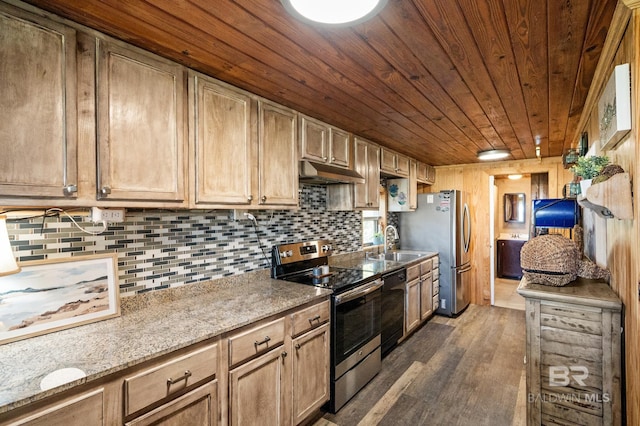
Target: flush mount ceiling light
<point>515,177</point>
<point>333,13</point>
<point>494,154</point>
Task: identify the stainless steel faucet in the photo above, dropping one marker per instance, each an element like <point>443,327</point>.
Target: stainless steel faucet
<point>395,236</point>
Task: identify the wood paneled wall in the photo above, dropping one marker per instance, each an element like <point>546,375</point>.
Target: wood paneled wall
<point>474,180</point>
<point>623,236</point>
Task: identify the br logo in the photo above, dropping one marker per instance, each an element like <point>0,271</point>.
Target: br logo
<point>560,375</point>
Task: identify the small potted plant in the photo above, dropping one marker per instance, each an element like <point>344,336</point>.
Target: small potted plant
<point>378,239</point>
<point>586,168</point>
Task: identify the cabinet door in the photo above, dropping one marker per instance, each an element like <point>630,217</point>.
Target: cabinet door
<point>256,395</point>
<point>426,297</point>
<point>361,161</point>
<point>413,185</point>
<point>422,172</point>
<point>509,258</point>
<point>373,176</point>
<point>38,87</point>
<point>339,147</point>
<point>412,305</point>
<point>314,140</point>
<point>141,143</point>
<point>387,161</point>
<point>278,158</point>
<point>198,407</point>
<point>310,372</point>
<point>80,410</point>
<point>222,142</point>
<point>402,165</point>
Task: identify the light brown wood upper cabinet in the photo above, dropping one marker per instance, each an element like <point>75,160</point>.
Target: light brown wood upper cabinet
<point>393,163</point>
<point>38,86</point>
<point>364,196</point>
<point>367,160</point>
<point>223,148</point>
<point>243,150</point>
<point>140,125</point>
<point>277,155</point>
<point>322,143</point>
<point>426,173</point>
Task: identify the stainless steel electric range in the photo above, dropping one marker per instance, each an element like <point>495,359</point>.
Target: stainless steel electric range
<point>355,312</point>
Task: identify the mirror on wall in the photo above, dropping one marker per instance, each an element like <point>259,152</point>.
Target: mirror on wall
<point>514,207</point>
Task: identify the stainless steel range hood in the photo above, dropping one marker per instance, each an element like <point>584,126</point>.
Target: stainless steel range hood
<point>324,174</point>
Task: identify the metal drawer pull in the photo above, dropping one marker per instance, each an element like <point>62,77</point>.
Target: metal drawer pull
<point>316,318</point>
<point>266,339</point>
<point>184,377</point>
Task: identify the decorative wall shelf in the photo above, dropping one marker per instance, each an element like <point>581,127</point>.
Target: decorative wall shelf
<point>611,198</point>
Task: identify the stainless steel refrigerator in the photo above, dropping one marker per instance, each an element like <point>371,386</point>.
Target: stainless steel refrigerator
<point>441,223</point>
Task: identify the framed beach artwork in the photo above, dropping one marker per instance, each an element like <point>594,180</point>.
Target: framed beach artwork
<point>51,295</point>
<point>614,108</point>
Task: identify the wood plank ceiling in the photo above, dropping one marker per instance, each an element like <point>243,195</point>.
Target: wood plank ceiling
<point>438,80</point>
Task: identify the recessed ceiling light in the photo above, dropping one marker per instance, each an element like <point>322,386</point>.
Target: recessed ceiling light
<point>333,12</point>
<point>493,154</point>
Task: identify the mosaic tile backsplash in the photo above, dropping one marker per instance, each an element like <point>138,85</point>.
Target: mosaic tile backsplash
<point>158,250</point>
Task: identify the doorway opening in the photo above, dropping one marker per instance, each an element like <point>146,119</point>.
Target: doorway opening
<point>511,199</point>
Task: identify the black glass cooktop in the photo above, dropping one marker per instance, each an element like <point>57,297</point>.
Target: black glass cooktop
<point>338,279</point>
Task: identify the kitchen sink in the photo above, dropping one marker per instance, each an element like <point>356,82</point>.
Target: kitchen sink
<point>396,256</point>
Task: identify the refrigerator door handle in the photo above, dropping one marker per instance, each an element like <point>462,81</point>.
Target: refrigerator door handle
<point>467,217</point>
<point>462,271</point>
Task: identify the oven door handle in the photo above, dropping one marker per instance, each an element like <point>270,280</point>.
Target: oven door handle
<point>358,292</point>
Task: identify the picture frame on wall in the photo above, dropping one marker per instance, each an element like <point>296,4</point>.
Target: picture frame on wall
<point>56,294</point>
<point>614,108</point>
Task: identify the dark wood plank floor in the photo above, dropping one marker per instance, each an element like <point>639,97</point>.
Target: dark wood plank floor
<point>453,371</point>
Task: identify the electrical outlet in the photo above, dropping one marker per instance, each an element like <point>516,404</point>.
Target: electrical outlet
<point>107,215</point>
<point>238,214</point>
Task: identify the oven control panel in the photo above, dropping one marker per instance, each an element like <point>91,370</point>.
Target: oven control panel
<point>296,252</point>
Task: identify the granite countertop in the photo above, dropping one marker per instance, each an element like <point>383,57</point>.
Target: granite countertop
<point>582,291</point>
<point>150,325</point>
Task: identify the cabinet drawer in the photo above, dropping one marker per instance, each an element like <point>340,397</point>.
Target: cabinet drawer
<point>413,272</point>
<point>306,319</point>
<point>436,287</point>
<point>159,382</point>
<point>435,272</point>
<point>425,267</point>
<point>435,261</point>
<point>436,302</point>
<point>256,340</point>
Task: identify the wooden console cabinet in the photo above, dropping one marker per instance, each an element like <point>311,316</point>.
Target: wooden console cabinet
<point>573,353</point>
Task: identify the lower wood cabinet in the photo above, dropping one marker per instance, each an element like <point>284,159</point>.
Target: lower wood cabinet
<point>256,391</point>
<point>421,298</point>
<point>286,377</point>
<point>80,409</point>
<point>310,372</point>
<point>573,353</point>
<point>198,407</point>
<point>509,258</point>
<point>272,372</point>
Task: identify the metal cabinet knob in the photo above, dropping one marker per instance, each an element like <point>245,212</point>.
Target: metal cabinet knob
<point>263,199</point>
<point>250,198</point>
<point>298,346</point>
<point>324,158</point>
<point>70,189</point>
<point>333,158</point>
<point>284,355</point>
<point>104,191</point>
